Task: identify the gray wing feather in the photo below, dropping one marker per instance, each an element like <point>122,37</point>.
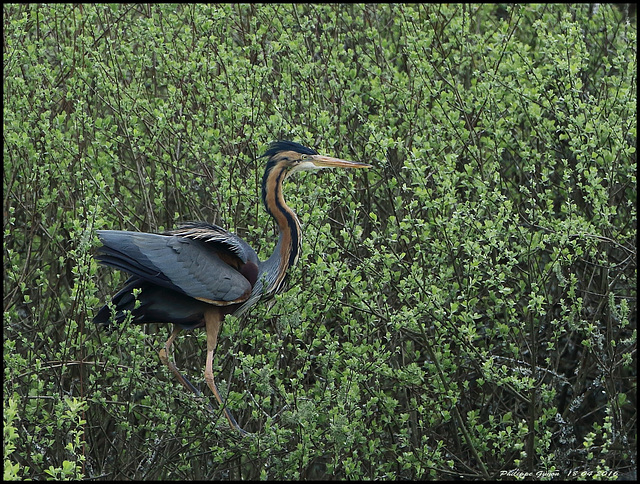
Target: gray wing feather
<point>214,234</point>
<point>178,263</point>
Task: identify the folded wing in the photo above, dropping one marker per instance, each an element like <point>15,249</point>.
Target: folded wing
<point>220,269</point>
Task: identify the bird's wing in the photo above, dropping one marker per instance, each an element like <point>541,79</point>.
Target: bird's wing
<point>217,236</point>
<point>196,268</point>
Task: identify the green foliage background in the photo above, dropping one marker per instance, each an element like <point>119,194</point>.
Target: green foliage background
<point>467,307</point>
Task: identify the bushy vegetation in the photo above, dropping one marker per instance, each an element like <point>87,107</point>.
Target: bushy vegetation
<point>466,308</point>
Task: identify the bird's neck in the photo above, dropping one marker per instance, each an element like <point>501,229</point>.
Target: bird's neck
<point>288,247</point>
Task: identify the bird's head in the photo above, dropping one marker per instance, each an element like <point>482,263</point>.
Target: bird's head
<point>285,158</point>
<point>292,157</point>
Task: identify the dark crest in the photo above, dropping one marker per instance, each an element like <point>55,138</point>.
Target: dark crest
<point>278,146</point>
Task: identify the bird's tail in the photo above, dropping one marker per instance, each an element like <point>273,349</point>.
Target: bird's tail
<point>151,304</point>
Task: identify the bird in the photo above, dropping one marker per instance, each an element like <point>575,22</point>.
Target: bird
<point>196,274</point>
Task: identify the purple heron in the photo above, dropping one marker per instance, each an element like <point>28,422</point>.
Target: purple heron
<point>193,276</point>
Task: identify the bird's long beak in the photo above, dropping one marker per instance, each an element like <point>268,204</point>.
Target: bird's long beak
<point>320,161</point>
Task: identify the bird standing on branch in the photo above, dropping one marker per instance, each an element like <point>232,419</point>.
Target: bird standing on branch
<point>193,276</point>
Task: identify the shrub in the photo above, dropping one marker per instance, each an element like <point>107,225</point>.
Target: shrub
<point>466,308</point>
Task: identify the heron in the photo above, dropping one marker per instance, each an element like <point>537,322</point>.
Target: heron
<point>195,275</point>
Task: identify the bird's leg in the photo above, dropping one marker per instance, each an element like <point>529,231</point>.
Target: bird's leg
<point>213,320</point>
<point>164,358</point>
